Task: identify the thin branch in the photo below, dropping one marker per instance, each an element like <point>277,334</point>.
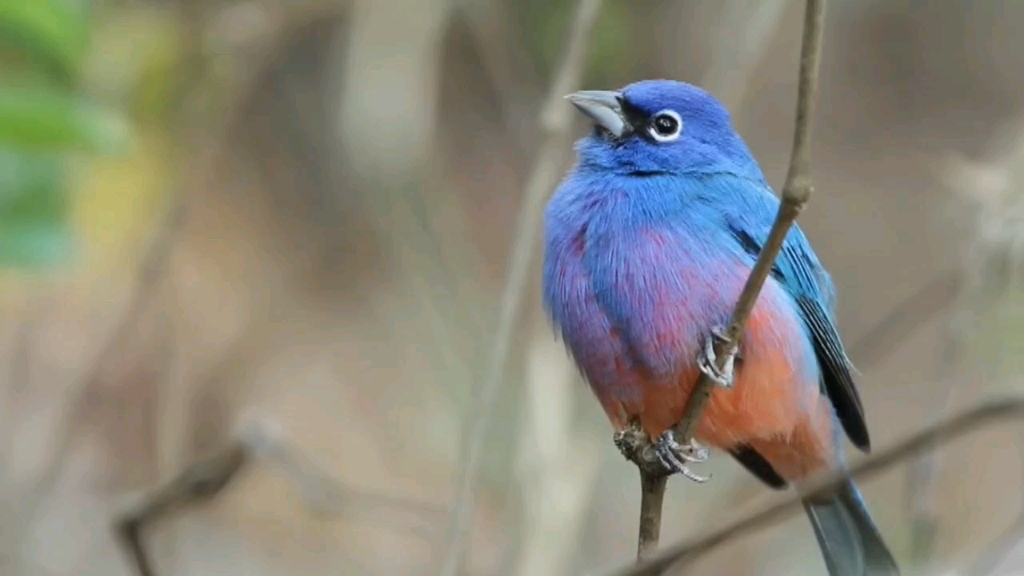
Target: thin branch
<point>795,195</point>
<point>152,267</point>
<point>555,121</point>
<point>745,28</point>
<point>259,441</point>
<point>992,557</point>
<point>555,463</point>
<point>200,481</point>
<point>928,439</point>
<point>149,275</point>
<point>881,340</point>
<point>726,77</point>
<point>988,264</point>
<point>652,500</point>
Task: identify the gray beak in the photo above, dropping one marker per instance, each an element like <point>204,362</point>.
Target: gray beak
<point>604,107</point>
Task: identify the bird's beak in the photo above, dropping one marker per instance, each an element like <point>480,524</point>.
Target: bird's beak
<point>604,107</point>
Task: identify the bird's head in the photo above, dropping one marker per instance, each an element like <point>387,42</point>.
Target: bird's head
<point>660,127</point>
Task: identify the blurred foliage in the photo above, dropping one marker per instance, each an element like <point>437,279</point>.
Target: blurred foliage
<point>135,60</point>
<point>87,105</point>
<point>48,124</point>
<point>49,34</point>
<point>544,25</point>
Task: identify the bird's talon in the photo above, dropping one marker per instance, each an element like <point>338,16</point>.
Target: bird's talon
<point>708,361</point>
<point>620,442</point>
<point>676,457</point>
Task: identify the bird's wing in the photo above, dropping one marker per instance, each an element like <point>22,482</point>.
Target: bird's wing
<point>798,270</point>
<point>758,466</point>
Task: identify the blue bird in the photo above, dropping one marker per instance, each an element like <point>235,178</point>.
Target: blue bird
<point>648,242</point>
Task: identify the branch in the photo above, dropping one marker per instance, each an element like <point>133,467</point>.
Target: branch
<point>876,344</point>
<point>795,195</point>
<point>206,478</point>
<point>752,23</point>
<point>992,557</point>
<point>555,463</point>
<point>555,121</point>
<point>928,439</point>
<point>988,267</point>
<point>153,266</point>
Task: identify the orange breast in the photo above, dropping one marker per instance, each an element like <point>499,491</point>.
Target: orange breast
<point>775,404</point>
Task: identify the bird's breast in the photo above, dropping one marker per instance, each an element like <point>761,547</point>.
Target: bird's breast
<point>636,287</point>
<point>664,287</point>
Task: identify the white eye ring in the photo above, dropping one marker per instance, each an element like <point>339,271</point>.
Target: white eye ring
<point>665,126</point>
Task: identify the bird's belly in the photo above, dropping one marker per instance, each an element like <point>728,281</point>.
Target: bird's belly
<point>658,319</point>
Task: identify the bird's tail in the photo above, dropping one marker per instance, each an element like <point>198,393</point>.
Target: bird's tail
<point>849,540</point>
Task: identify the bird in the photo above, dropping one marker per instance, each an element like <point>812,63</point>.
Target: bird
<point>648,241</point>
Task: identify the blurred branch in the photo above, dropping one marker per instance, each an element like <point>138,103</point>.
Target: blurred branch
<point>122,336</point>
<point>988,264</point>
<point>557,465</point>
<point>727,75</point>
<point>930,438</point>
<point>747,26</point>
<point>258,441</point>
<point>992,557</point>
<point>517,97</point>
<point>149,275</point>
<point>120,347</point>
<point>881,340</point>
<point>203,480</point>
<point>555,121</point>
<point>795,194</point>
<point>402,218</point>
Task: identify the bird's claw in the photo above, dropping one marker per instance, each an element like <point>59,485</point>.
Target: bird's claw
<point>620,442</point>
<point>676,457</point>
<point>708,361</point>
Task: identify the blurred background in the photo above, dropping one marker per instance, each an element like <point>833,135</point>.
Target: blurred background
<point>300,213</point>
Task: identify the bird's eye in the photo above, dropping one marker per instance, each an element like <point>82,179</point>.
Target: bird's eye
<point>665,126</point>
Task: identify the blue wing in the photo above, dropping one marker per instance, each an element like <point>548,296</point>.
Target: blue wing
<point>750,215</point>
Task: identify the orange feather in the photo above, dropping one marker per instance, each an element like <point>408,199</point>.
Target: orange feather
<point>787,420</point>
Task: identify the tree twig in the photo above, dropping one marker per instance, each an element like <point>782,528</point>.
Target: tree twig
<point>988,264</point>
<point>753,21</point>
<point>201,481</point>
<point>876,344</point>
<point>259,441</point>
<point>992,557</point>
<point>555,462</point>
<point>555,122</point>
<point>930,438</point>
<point>795,194</point>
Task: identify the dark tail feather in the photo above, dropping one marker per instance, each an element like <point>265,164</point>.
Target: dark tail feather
<point>848,538</point>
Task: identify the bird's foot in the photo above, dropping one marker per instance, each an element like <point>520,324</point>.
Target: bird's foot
<point>708,360</point>
<point>677,457</point>
<point>621,443</point>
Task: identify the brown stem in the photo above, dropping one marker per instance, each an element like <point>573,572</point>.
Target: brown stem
<point>795,194</point>
<point>928,439</point>
<point>652,495</point>
<point>555,120</point>
<point>202,480</point>
<point>257,442</point>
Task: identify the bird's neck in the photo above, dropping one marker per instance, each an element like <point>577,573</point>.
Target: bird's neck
<point>629,202</point>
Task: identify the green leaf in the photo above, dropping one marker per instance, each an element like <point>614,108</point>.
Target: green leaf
<point>49,30</point>
<point>34,210</point>
<point>39,119</point>
<point>36,245</point>
<point>23,174</point>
